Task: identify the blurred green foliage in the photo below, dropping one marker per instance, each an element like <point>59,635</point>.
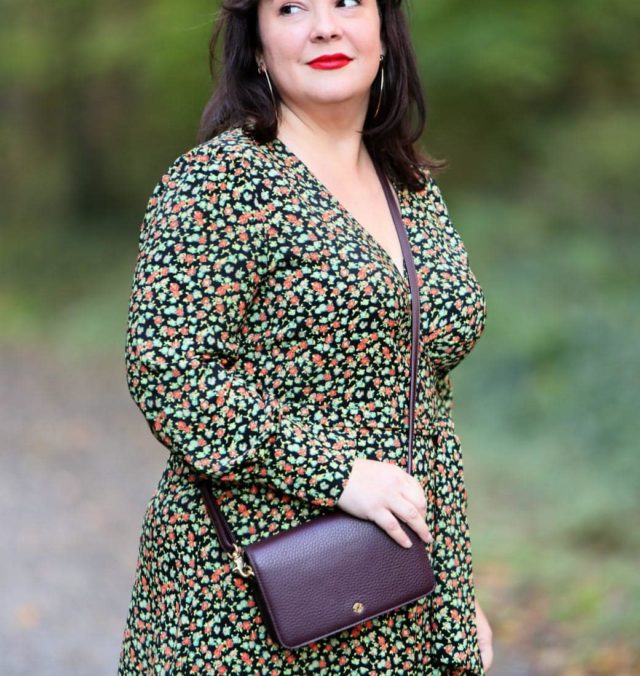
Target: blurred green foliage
<point>536,107</point>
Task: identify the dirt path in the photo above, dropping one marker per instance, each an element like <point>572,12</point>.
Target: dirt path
<point>77,467</point>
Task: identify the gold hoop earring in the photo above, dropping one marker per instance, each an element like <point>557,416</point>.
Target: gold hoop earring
<point>261,70</point>
<point>381,85</point>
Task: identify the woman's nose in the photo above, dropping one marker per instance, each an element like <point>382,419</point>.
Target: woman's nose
<point>325,23</point>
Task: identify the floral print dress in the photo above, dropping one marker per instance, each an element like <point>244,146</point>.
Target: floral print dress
<point>268,346</point>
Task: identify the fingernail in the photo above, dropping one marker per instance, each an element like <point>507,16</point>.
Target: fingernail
<point>408,543</point>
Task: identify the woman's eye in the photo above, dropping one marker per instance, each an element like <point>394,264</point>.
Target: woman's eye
<point>290,8</point>
<point>284,8</point>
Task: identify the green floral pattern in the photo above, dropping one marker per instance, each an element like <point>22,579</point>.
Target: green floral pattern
<point>268,346</point>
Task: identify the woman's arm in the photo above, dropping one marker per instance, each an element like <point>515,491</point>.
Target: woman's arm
<point>485,637</point>
<point>203,252</point>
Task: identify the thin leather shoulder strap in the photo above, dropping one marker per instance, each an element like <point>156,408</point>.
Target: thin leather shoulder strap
<point>415,307</point>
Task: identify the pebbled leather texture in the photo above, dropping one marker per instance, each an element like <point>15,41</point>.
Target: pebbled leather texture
<point>309,577</point>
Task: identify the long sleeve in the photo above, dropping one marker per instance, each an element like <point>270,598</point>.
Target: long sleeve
<point>203,254</point>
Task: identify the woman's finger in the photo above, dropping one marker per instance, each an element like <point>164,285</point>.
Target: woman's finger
<point>388,522</point>
<point>413,517</point>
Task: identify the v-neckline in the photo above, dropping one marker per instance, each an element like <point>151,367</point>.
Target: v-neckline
<point>403,274</point>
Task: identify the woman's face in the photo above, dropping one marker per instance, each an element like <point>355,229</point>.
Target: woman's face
<point>293,33</point>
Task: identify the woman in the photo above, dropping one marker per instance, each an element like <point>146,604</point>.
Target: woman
<point>268,345</point>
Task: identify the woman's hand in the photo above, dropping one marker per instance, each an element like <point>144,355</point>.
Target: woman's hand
<point>382,491</point>
<point>485,636</point>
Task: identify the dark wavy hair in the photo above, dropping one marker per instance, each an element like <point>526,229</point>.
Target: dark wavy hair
<point>242,97</point>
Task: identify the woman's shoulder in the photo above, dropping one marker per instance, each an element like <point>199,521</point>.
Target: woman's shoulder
<point>222,177</point>
<point>225,159</point>
<point>234,143</point>
<point>429,195</point>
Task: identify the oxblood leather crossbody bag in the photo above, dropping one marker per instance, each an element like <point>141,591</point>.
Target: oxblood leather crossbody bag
<point>335,571</point>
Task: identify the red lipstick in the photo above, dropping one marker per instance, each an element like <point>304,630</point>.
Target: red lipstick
<point>330,61</point>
